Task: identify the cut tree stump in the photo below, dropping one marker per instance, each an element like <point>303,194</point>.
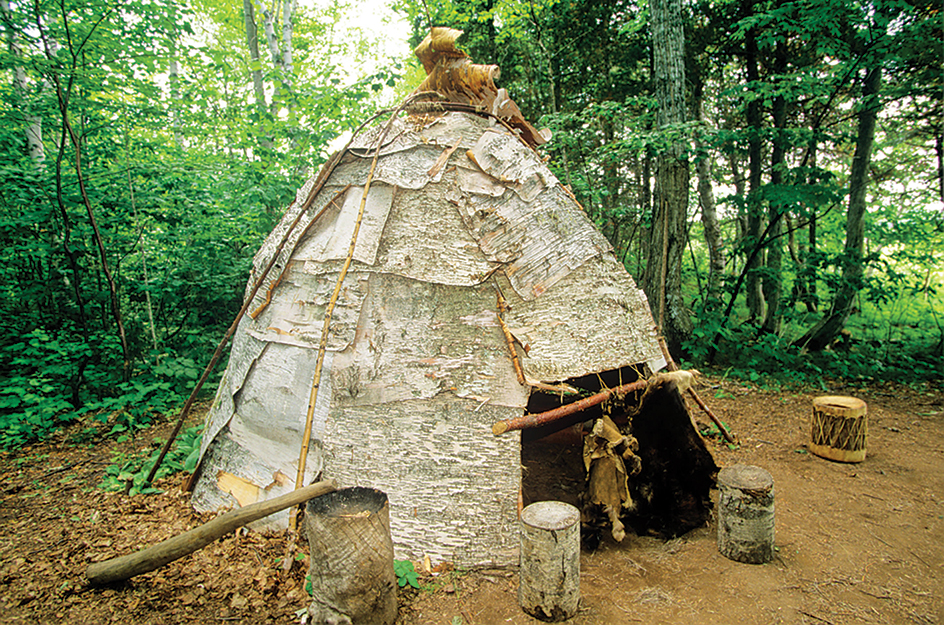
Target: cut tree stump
<point>746,514</point>
<point>839,428</point>
<point>549,579</point>
<point>351,572</point>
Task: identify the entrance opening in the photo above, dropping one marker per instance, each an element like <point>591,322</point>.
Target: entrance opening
<point>670,493</point>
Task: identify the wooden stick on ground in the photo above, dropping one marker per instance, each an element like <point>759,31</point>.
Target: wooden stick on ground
<point>156,556</point>
<point>527,421</point>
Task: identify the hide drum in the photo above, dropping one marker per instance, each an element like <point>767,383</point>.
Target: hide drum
<point>839,428</point>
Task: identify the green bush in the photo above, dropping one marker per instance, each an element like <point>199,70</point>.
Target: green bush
<point>128,472</point>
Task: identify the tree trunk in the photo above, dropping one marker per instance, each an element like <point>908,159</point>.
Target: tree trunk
<point>773,281</point>
<point>755,301</point>
<point>669,233</point>
<point>63,97</point>
<point>351,571</point>
<point>853,268</point>
<point>806,267</point>
<point>173,80</point>
<point>21,90</point>
<point>939,150</point>
<point>258,88</point>
<point>268,25</point>
<point>645,208</point>
<point>709,214</point>
<point>549,584</point>
<point>746,514</point>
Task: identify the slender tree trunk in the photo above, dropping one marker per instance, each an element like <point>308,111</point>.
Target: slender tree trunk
<point>268,25</point>
<point>773,281</point>
<point>853,266</point>
<point>63,96</point>
<point>21,90</point>
<point>553,75</point>
<point>755,220</point>
<point>645,209</point>
<point>174,83</point>
<point>709,214</point>
<point>288,81</point>
<point>740,190</point>
<point>147,286</point>
<point>806,266</point>
<point>252,39</point>
<point>939,149</point>
<point>669,233</point>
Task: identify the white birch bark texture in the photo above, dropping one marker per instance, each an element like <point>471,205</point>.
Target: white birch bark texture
<point>746,514</point>
<point>351,570</point>
<point>417,368</point>
<point>23,97</point>
<point>549,575</point>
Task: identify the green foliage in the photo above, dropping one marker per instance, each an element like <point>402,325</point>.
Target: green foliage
<point>406,574</point>
<point>186,177</point>
<point>769,359</point>
<point>32,399</point>
<point>129,471</point>
<point>182,189</point>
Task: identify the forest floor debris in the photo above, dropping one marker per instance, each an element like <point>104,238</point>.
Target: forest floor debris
<point>856,543</point>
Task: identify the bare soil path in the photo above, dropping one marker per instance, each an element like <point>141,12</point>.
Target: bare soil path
<point>857,543</point>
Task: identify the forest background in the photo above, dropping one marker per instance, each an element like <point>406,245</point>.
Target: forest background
<point>771,172</point>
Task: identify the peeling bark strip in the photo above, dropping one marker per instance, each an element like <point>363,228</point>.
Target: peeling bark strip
<point>268,295</point>
<point>528,421</point>
<point>319,364</point>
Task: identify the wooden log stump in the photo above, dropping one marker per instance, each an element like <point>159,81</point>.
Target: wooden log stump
<point>839,428</point>
<point>549,579</point>
<point>352,577</point>
<point>746,514</point>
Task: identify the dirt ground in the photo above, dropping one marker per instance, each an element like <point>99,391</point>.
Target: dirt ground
<point>856,543</point>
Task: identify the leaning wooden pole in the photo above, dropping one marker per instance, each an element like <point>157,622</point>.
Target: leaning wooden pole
<point>315,190</point>
<point>156,556</point>
<point>329,310</point>
<point>698,400</point>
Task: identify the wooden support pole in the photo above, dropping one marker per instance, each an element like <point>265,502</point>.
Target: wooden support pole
<point>527,421</point>
<point>156,556</point>
<point>701,404</point>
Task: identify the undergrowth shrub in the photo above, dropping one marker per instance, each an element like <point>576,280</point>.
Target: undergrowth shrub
<point>50,381</point>
<point>128,471</point>
<point>755,357</point>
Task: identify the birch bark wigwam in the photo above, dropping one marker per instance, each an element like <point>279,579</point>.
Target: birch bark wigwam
<point>416,365</point>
